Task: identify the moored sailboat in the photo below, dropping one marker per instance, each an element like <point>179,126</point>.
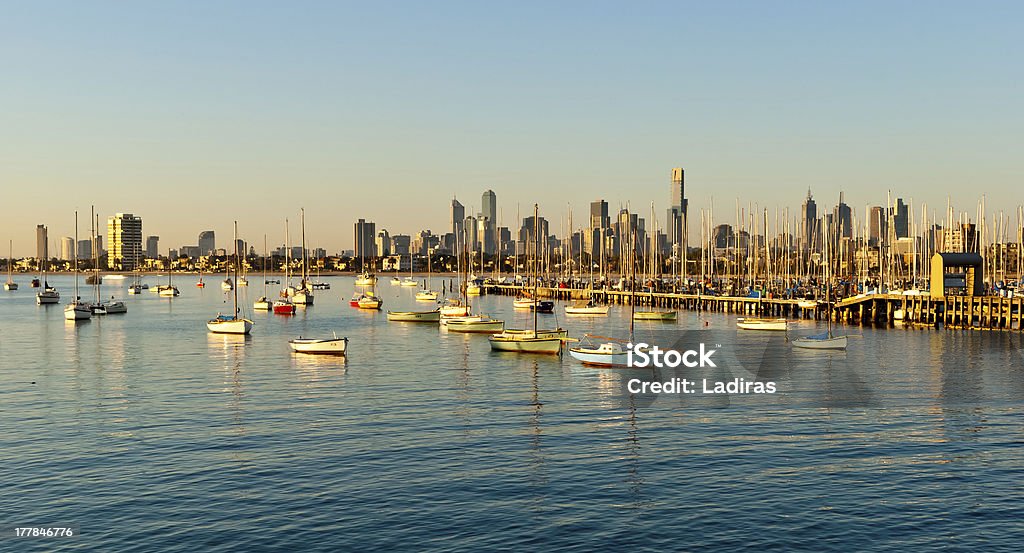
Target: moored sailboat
<point>756,323</point>
<point>415,316</point>
<point>586,308</point>
<point>77,310</point>
<point>233,323</point>
<point>528,341</point>
<point>825,340</point>
<point>10,285</point>
<point>263,303</point>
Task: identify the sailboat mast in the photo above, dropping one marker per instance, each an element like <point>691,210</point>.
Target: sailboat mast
<point>95,253</point>
<point>632,286</point>
<point>302,222</point>
<point>76,255</point>
<point>536,238</point>
<point>235,288</point>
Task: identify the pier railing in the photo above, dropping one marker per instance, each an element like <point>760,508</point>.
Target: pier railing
<point>977,312</point>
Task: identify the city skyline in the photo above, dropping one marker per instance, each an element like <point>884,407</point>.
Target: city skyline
<point>410,106</point>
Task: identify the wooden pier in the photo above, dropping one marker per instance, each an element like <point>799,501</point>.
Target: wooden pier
<point>972,312</point>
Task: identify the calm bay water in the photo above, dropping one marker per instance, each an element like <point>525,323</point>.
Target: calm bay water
<point>145,432</point>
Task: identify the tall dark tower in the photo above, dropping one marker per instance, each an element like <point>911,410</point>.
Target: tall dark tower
<point>809,221</point>
<point>677,216</point>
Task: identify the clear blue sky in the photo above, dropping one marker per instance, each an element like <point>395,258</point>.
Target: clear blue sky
<point>192,114</point>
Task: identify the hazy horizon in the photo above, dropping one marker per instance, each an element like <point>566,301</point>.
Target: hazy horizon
<point>192,115</point>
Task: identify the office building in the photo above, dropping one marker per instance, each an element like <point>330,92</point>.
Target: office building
<point>365,236</point>
<point>124,237</point>
<point>207,242</point>
<point>152,247</point>
<point>42,244</point>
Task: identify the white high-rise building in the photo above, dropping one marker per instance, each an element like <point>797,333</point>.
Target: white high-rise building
<point>124,241</point>
<point>67,248</point>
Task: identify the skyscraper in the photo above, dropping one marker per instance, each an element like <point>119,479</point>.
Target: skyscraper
<point>42,247</point>
<point>207,242</point>
<point>472,237</point>
<point>489,216</point>
<point>84,249</point>
<point>365,234</point>
<point>383,245</point>
<point>901,220</point>
<point>677,210</point>
<point>489,206</point>
<point>598,223</point>
<point>877,223</point>
<point>457,217</point>
<point>124,238</point>
<point>809,222</point>
<point>485,235</point>
<point>844,218</point>
<point>67,248</point>
<point>152,247</point>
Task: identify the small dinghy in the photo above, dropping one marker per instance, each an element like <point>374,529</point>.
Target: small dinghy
<point>328,346</point>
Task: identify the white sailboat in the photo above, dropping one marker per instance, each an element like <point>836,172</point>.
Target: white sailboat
<point>263,304</point>
<point>303,295</point>
<point>136,287</point>
<point>604,354</point>
<point>10,284</point>
<point>586,308</point>
<point>233,323</point>
<point>610,352</point>
<point>49,295</point>
<point>366,278</point>
<point>427,294</point>
<point>100,307</point>
<point>528,341</point>
<point>77,310</point>
<point>168,290</point>
<point>825,340</point>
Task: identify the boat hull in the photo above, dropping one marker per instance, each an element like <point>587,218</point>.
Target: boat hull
<point>11,286</point>
<point>366,281</point>
<point>597,358</point>
<point>167,291</point>
<point>302,297</point>
<point>115,307</point>
<point>261,305</point>
<point>835,343</point>
<point>336,346</point>
<point>426,296</point>
<point>455,311</point>
<point>542,333</point>
<point>77,312</point>
<point>230,326</point>
<point>47,297</point>
<point>476,327</point>
<point>415,316</point>
<point>592,310</point>
<point>777,325</point>
<point>369,303</point>
<point>655,316</point>
<point>525,344</point>
<point>284,308</point>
